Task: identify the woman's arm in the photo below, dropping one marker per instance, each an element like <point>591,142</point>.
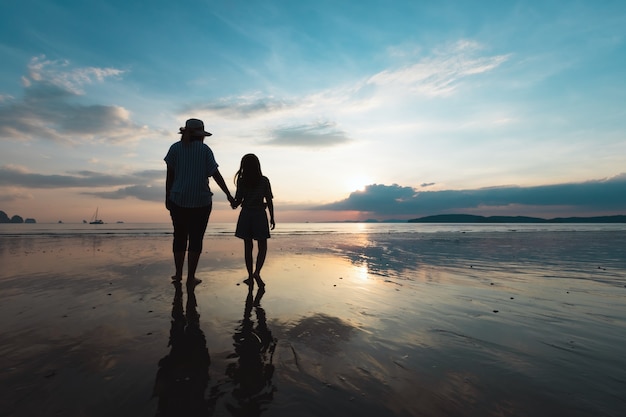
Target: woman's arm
<point>219,180</point>
<point>169,180</point>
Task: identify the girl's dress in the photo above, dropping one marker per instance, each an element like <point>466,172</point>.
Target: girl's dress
<point>252,222</point>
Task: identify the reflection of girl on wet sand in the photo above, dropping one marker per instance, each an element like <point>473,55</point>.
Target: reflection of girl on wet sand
<point>254,194</point>
<point>251,375</point>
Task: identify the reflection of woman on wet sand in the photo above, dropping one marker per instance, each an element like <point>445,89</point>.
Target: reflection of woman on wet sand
<point>183,374</point>
<point>251,375</point>
<point>254,193</point>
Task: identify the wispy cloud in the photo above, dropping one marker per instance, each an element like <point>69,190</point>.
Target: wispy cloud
<point>441,73</point>
<point>140,192</point>
<point>294,120</point>
<point>60,74</point>
<point>14,194</point>
<point>606,195</point>
<point>245,106</point>
<point>321,134</point>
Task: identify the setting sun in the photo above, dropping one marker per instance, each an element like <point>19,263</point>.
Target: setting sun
<point>358,182</point>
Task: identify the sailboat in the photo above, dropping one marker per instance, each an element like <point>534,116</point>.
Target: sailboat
<point>95,219</point>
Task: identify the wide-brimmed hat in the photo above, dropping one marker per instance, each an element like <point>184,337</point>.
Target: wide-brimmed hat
<point>195,127</point>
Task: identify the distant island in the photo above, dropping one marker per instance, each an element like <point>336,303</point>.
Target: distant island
<point>470,218</point>
<point>4,218</point>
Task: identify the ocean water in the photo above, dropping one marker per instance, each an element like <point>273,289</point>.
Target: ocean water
<point>213,229</point>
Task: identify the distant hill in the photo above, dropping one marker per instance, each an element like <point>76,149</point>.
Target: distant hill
<point>4,218</point>
<point>470,218</point>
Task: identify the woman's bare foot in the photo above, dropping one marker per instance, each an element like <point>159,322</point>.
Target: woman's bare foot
<point>193,281</point>
<point>177,278</point>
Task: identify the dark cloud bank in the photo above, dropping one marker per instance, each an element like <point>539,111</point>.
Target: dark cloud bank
<point>143,185</point>
<point>591,198</point>
<point>587,198</point>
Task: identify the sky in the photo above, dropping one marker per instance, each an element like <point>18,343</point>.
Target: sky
<point>356,109</point>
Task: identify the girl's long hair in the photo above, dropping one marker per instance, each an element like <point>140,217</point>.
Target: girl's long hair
<point>249,173</point>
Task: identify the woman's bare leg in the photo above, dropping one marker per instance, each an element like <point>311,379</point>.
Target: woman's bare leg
<point>192,265</point>
<point>179,261</point>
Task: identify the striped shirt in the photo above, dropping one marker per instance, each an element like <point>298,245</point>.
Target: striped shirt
<point>193,163</point>
<point>254,197</point>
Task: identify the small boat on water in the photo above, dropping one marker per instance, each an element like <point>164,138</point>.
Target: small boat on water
<point>95,219</point>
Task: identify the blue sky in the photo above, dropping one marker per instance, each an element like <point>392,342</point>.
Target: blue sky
<point>356,109</point>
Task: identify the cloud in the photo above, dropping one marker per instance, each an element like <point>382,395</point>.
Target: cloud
<point>376,198</point>
<point>140,192</point>
<point>143,185</point>
<point>244,106</point>
<point>20,177</point>
<point>304,129</point>
<point>321,134</point>
<point>51,107</point>
<point>441,73</point>
<point>395,200</point>
<point>60,74</point>
<point>14,194</point>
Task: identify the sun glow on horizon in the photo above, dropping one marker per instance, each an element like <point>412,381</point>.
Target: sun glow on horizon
<point>357,182</point>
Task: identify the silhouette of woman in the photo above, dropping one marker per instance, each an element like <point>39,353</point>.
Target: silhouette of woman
<point>190,163</point>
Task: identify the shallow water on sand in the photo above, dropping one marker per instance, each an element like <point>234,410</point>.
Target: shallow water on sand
<point>456,324</point>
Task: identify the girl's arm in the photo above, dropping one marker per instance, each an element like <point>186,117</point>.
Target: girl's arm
<point>238,198</point>
<point>269,198</point>
<point>270,208</point>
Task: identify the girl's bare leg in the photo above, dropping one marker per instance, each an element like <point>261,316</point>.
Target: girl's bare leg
<point>247,245</point>
<point>260,260</point>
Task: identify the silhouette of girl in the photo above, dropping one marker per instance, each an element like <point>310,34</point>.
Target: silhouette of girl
<point>254,194</point>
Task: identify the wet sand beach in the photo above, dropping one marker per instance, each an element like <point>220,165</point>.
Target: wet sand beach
<point>445,324</point>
